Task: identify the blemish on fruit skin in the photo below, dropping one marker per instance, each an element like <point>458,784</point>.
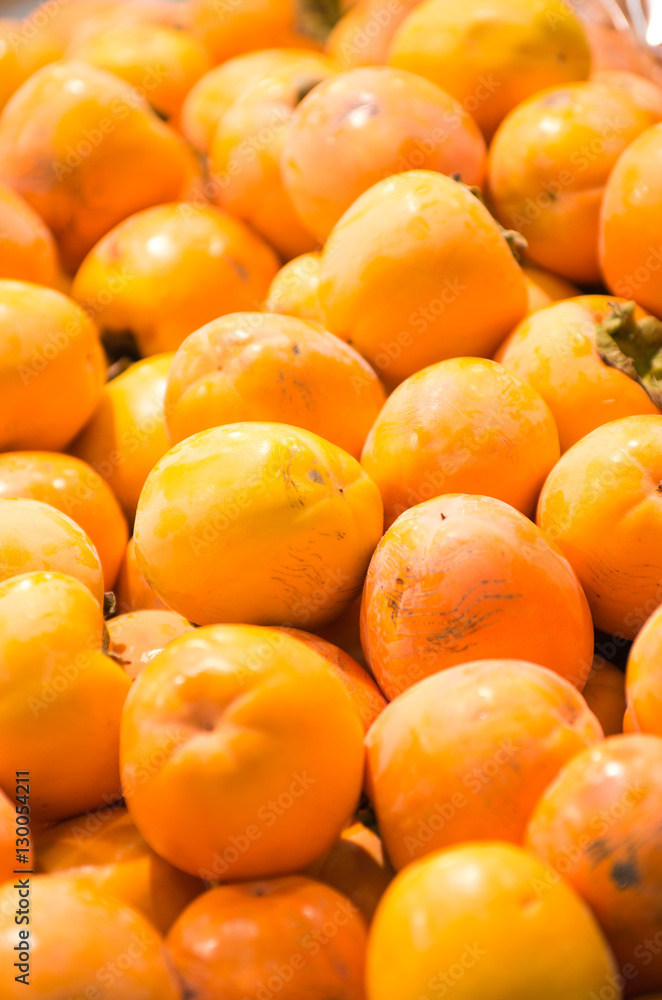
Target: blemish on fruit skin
<point>315,476</point>
<point>625,874</point>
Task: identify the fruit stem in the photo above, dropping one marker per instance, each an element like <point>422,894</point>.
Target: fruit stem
<point>316,18</point>
<point>516,242</point>
<point>633,346</point>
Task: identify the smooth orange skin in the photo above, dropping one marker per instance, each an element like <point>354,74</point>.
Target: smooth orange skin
<point>51,376</point>
<point>475,908</point>
<point>8,837</point>
<point>218,89</point>
<point>83,940</point>
<point>647,95</point>
<point>356,680</point>
<point>417,271</point>
<point>461,578</point>
<point>162,62</point>
<point>554,351</point>
<point>108,154</point>
<point>629,240</point>
<point>125,437</point>
<point>246,153</point>
<point>356,868</point>
<point>261,366</point>
<point>248,25</point>
<point>492,55</point>
<point>456,758</point>
<point>605,695</point>
<point>27,249</point>
<point>544,287</point>
<point>37,537</point>
<point>598,825</point>
<point>186,265</point>
<point>602,506</point>
<point>356,128</point>
<point>241,718</point>
<point>23,50</point>
<point>345,631</point>
<point>363,35</point>
<point>76,490</point>
<point>548,166</point>
<point>132,591</point>
<point>77,17</point>
<point>200,526</point>
<point>643,678</point>
<point>136,637</point>
<point>293,291</point>
<point>236,938</point>
<point>461,426</point>
<point>106,851</point>
<point>60,696</point>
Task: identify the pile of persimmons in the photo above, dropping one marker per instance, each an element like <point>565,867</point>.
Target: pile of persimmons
<point>330,502</point>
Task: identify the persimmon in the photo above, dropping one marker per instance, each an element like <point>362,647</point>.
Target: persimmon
<point>417,271</point>
<point>82,941</point>
<point>125,436</point>
<point>246,153</point>
<point>8,837</point>
<point>132,591</point>
<point>544,287</point>
<point>27,250</point>
<point>217,90</point>
<point>356,680</point>
<point>85,150</point>
<point>578,355</point>
<point>136,637</point>
<point>598,826</point>
<point>645,92</point>
<point>60,696</point>
<point>230,29</point>
<point>448,581</point>
<point>355,866</point>
<point>52,373</point>
<point>74,488</point>
<point>293,291</point>
<point>605,695</point>
<point>629,241</point>
<point>469,921</point>
<point>200,523</point>
<point>642,680</point>
<point>345,631</point>
<point>261,366</point>
<point>253,723</point>
<point>104,850</point>
<point>601,505</point>
<point>23,50</point>
<point>548,166</point>
<point>465,425</point>
<point>81,16</point>
<point>356,128</point>
<point>491,56</point>
<point>36,537</point>
<point>168,270</point>
<point>306,941</point>
<point>364,33</point>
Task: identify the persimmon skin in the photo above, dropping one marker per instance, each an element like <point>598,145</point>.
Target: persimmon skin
<point>363,35</point>
<point>75,489</point>
<point>355,866</point>
<point>249,25</point>
<point>293,291</point>
<point>354,129</point>
<point>261,366</point>
<point>645,92</point>
<point>544,287</point>
<point>137,637</point>
<point>417,271</point>
<point>555,351</point>
<point>642,678</point>
<point>7,838</point>
<point>454,760</point>
<point>601,505</point>
<point>27,250</point>
<point>613,863</point>
<point>188,264</point>
<point>199,531</point>
<point>448,580</point>
<point>64,726</point>
<point>51,376</point>
<point>24,50</point>
<point>132,591</point>
<point>474,908</point>
<point>287,917</point>
<point>548,166</point>
<point>264,718</point>
<point>605,695</point>
<point>465,425</point>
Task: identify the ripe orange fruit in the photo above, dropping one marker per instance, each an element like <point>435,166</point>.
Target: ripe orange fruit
<point>461,426</point>
<point>642,681</point>
<point>135,638</point>
<point>646,93</point>
<point>201,517</point>
<point>461,578</point>
<point>132,591</point>
<point>8,837</point>
<point>598,826</point>
<point>27,249</point>
<point>253,723</point>
<point>51,376</point>
<point>76,490</point>
<point>544,287</point>
<point>355,866</point>
<point>260,366</point>
<point>354,129</point>
<point>602,506</point>
<point>168,270</point>
<point>364,33</point>
<point>228,30</point>
<point>25,48</point>
<point>293,291</point>
<point>605,695</point>
<point>473,921</point>
<point>417,271</point>
<point>306,941</point>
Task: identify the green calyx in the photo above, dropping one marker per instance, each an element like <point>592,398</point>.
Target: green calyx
<point>633,346</point>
